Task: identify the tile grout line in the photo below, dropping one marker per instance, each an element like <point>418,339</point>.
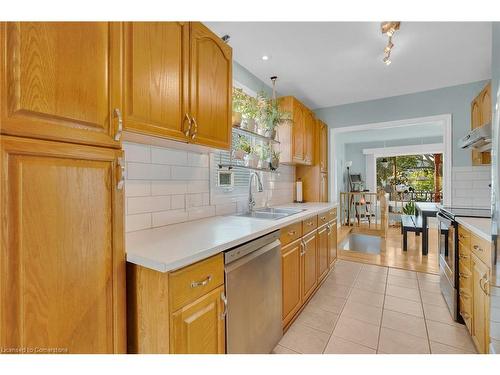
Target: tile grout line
<point>423,313</point>
<point>382,315</point>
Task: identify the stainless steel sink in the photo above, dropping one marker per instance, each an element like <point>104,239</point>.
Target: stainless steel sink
<point>270,213</point>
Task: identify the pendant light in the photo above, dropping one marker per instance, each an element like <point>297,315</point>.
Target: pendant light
<point>384,162</point>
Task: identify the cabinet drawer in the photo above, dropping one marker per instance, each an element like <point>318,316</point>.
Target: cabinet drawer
<point>463,236</point>
<point>323,218</point>
<point>481,248</point>
<point>290,233</point>
<point>310,224</point>
<point>191,282</point>
<point>465,281</point>
<point>332,214</point>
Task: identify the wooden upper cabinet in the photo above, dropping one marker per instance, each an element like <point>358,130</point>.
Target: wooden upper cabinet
<point>485,103</point>
<point>323,147</point>
<point>59,81</point>
<point>210,88</point>
<point>155,78</point>
<point>199,327</point>
<point>481,115</point>
<point>475,114</point>
<point>323,188</point>
<point>309,135</point>
<point>59,286</point>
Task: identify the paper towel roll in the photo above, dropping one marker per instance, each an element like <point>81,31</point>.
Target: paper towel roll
<point>298,186</point>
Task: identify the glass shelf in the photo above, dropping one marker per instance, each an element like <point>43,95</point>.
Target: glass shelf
<point>229,166</point>
<point>255,135</point>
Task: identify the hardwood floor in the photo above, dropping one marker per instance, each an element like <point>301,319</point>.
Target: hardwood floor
<point>392,254</point>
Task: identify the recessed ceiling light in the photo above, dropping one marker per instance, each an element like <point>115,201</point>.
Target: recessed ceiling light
<point>265,57</point>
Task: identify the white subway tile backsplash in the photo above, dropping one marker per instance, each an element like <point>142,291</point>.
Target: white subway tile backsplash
<point>138,205</point>
<point>201,212</point>
<point>137,188</point>
<point>225,209</point>
<point>137,222</point>
<point>198,160</point>
<point>178,201</point>
<point>198,186</point>
<point>194,200</point>
<point>189,173</point>
<point>142,171</point>
<point>169,217</point>
<point>168,156</point>
<point>470,186</point>
<point>168,187</point>
<point>136,152</point>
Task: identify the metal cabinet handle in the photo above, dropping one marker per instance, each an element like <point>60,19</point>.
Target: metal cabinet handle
<point>476,247</point>
<point>328,228</point>
<point>461,256</point>
<point>292,233</point>
<point>186,117</point>
<point>302,248</point>
<point>309,223</point>
<point>119,131</point>
<point>463,275</point>
<point>195,129</point>
<point>121,181</point>
<point>224,300</point>
<point>195,284</point>
<point>482,284</point>
<point>323,218</point>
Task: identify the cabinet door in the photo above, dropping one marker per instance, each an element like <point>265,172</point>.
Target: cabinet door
<point>323,193</point>
<point>155,71</point>
<point>323,147</point>
<point>211,88</point>
<point>480,304</point>
<point>332,242</point>
<point>308,266</point>
<point>485,104</point>
<point>309,134</point>
<point>290,273</point>
<point>475,123</point>
<point>199,328</point>
<point>60,80</point>
<point>298,133</point>
<point>323,252</point>
<point>62,254</point>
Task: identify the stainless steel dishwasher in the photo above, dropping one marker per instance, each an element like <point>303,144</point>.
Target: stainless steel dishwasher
<point>253,291</point>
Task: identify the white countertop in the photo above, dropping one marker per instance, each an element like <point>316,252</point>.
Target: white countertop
<point>479,226</point>
<point>171,247</point>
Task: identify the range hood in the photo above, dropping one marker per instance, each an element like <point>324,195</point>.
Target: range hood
<point>479,139</point>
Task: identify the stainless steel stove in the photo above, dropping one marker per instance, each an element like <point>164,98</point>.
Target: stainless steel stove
<point>448,251</point>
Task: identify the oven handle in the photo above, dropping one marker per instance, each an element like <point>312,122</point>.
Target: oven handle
<point>444,219</point>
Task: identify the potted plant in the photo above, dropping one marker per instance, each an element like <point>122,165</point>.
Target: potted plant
<point>409,208</point>
<point>250,112</point>
<point>270,115</point>
<point>275,160</point>
<point>252,159</point>
<point>264,153</point>
<point>238,103</point>
<point>242,148</point>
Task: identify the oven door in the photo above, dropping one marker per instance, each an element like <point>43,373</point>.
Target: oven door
<point>448,262</point>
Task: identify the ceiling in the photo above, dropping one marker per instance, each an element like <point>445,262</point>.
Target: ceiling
<point>332,63</point>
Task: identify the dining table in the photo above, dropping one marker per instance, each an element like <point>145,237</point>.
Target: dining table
<point>426,210</point>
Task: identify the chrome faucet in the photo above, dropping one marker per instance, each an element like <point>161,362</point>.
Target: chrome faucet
<point>251,200</point>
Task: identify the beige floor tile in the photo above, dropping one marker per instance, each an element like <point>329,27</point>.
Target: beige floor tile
<point>304,339</point>
<point>401,292</point>
<point>370,286</point>
<point>435,299</point>
<point>374,268</point>
<point>402,281</point>
<point>428,277</point>
<point>438,348</point>
<point>334,289</point>
<point>366,297</point>
<point>452,335</point>
<point>396,342</point>
<point>357,331</point>
<point>372,277</point>
<point>317,318</point>
<point>404,323</point>
<point>363,312</point>
<point>404,306</point>
<point>341,279</point>
<point>328,303</point>
<point>429,287</point>
<point>282,350</point>
<point>438,314</point>
<point>402,273</point>
<point>338,345</point>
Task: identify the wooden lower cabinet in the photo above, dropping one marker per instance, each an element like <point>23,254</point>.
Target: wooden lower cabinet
<point>480,306</point>
<point>291,256</point>
<point>62,260</point>
<point>332,242</point>
<point>308,265</point>
<point>322,252</point>
<point>198,328</point>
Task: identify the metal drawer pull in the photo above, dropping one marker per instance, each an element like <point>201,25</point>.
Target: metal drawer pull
<point>482,285</point>
<point>121,181</point>
<point>119,131</point>
<point>195,284</point>
<point>224,299</point>
<point>186,116</point>
<point>309,223</point>
<point>329,228</point>
<point>323,218</point>
<point>461,256</point>
<point>302,248</point>
<point>292,233</point>
<point>463,275</point>
<point>476,247</point>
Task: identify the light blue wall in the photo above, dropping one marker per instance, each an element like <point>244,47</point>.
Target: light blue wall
<point>245,77</point>
<point>354,151</point>
<point>454,100</point>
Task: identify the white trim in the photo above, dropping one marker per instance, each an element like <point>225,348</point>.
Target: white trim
<point>431,148</point>
<point>245,89</point>
<point>445,120</point>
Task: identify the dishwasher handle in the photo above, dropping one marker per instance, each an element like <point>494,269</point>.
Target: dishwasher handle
<point>247,258</point>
